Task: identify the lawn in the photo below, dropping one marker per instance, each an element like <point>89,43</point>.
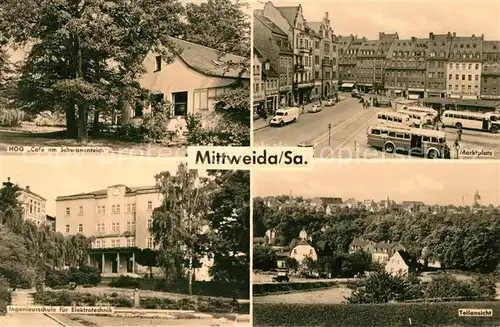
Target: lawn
<point>90,320</point>
<point>55,137</point>
<point>334,295</point>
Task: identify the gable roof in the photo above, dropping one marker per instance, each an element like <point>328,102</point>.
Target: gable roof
<point>408,260</point>
<point>315,26</point>
<point>271,25</point>
<point>208,61</point>
<point>289,13</point>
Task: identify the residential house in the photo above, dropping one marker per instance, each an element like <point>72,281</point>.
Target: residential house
<point>258,85</point>
<point>405,68</point>
<point>352,203</point>
<point>438,47</point>
<point>402,264</point>
<point>348,62</point>
<point>191,83</point>
<point>302,250</point>
<point>32,204</point>
<point>360,244</point>
<point>464,67</point>
<point>382,251</point>
<point>291,20</point>
<point>490,73</point>
<point>325,58</point>
<point>274,44</point>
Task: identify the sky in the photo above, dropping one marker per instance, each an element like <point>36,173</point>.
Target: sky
<point>432,183</point>
<point>407,17</point>
<point>52,176</point>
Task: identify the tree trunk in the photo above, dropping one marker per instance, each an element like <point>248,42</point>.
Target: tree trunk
<point>151,272</point>
<point>95,122</point>
<point>71,130</point>
<point>82,108</point>
<point>190,288</point>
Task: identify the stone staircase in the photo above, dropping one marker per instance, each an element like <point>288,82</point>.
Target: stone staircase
<point>23,298</point>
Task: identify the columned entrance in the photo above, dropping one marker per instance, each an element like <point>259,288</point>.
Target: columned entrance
<point>114,261</point>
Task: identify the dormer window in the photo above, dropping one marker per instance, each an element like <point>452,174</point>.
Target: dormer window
<point>268,66</point>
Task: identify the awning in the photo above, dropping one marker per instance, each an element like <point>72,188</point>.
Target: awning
<point>348,85</point>
<point>413,96</point>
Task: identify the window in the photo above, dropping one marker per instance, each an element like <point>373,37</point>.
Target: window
<point>100,227</point>
<point>375,132</point>
<point>130,242</point>
<point>151,243</point>
<point>316,45</point>
<point>150,205</point>
<point>68,211</point>
<point>150,223</point>
<point>129,225</point>
<point>450,76</point>
<point>80,211</point>
<point>113,243</point>
<point>470,77</point>
<point>98,244</point>
<point>101,210</point>
<point>158,63</point>
<point>115,227</point>
<point>457,77</point>
<point>80,228</point>
<point>180,100</point>
<point>129,207</point>
<point>113,209</point>
<point>477,77</point>
<point>463,77</point>
<point>117,243</point>
<point>477,66</point>
<point>67,229</point>
<point>316,60</point>
<point>103,243</point>
<point>117,208</point>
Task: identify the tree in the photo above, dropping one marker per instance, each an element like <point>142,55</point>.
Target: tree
<point>259,216</point>
<point>229,221</point>
<point>355,263</point>
<point>264,258</point>
<point>178,224</point>
<point>86,53</point>
<point>148,258</point>
<point>15,265</point>
<point>219,24</point>
<point>381,288</point>
<point>292,264</point>
<point>447,286</point>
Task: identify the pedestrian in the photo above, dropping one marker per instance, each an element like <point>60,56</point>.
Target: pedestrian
<point>459,134</point>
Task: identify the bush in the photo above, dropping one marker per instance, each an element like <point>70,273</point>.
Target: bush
<point>11,117</point>
<point>56,278</point>
<point>215,306</point>
<point>85,275</point>
<point>347,315</point>
<point>219,134</point>
<point>121,302</point>
<point>60,298</point>
<point>5,295</point>
<point>125,282</point>
<point>48,118</point>
<point>263,289</point>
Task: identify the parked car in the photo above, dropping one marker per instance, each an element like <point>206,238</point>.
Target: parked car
<point>284,116</point>
<point>315,108</point>
<point>282,276</point>
<point>330,103</point>
<point>306,144</point>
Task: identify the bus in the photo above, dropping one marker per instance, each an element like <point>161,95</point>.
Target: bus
<point>471,120</point>
<point>418,118</point>
<point>415,141</point>
<point>391,117</point>
<point>428,111</point>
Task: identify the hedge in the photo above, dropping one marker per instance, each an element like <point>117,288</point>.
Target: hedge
<point>65,298</point>
<point>263,289</point>
<point>202,288</point>
<point>397,314</point>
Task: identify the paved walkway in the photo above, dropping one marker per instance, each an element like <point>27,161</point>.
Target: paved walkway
<point>27,319</point>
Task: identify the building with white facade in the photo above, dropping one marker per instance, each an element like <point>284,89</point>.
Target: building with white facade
<point>33,204</point>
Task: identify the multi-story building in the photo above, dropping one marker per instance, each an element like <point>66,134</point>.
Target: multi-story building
<point>119,217</point>
<point>405,68</point>
<point>325,58</point>
<point>369,66</point>
<point>271,86</point>
<point>316,64</point>
<point>291,20</point>
<point>349,48</point>
<point>464,67</point>
<point>32,204</point>
<point>273,43</point>
<point>438,48</point>
<point>258,84</point>
<point>490,72</point>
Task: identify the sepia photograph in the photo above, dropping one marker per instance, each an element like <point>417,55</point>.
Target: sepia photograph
<point>378,79</point>
<point>377,244</point>
<point>136,242</point>
<point>148,77</point>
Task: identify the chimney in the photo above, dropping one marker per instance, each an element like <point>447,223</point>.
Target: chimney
<point>454,34</point>
<point>8,179</point>
<point>27,188</point>
<point>413,39</point>
<point>431,36</point>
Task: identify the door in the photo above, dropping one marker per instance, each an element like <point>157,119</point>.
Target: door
<point>486,124</point>
<point>114,268</point>
<point>130,264</point>
<point>416,144</point>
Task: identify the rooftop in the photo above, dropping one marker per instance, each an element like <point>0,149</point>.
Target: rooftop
<point>104,192</point>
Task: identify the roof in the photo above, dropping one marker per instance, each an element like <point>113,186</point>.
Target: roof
<point>104,192</point>
<point>32,193</point>
<point>407,258</point>
<point>491,46</point>
<point>289,13</point>
<point>208,61</point>
<point>360,242</point>
<point>418,131</point>
<point>315,26</point>
<point>269,24</point>
<point>302,242</point>
<point>465,102</point>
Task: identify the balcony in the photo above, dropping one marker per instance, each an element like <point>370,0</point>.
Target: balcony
<point>299,67</point>
<point>304,49</point>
